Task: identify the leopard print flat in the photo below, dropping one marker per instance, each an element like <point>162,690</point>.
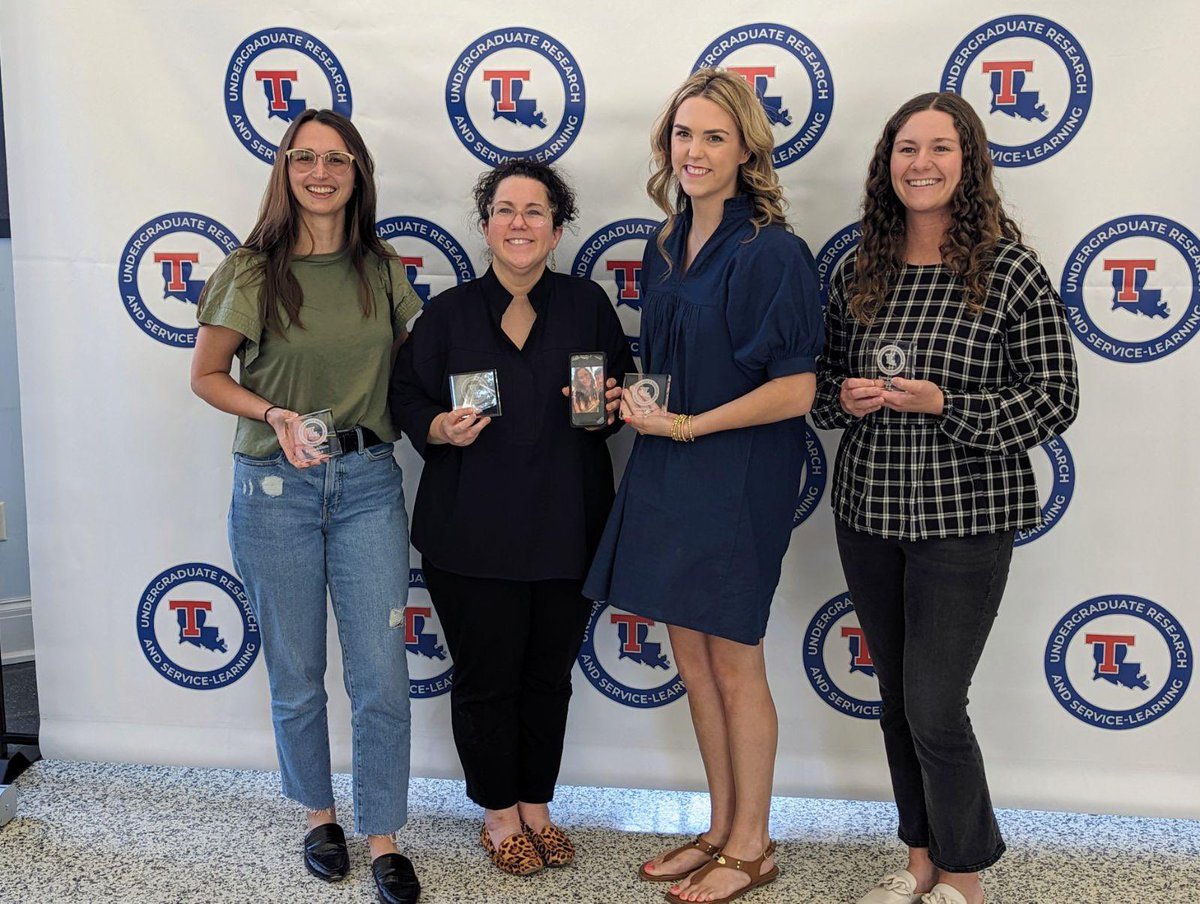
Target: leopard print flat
<point>552,843</point>
<point>516,854</point>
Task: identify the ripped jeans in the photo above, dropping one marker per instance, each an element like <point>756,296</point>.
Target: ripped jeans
<point>342,526</point>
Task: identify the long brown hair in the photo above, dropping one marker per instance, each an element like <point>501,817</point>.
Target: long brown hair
<point>274,236</point>
<point>756,177</point>
<point>977,217</point>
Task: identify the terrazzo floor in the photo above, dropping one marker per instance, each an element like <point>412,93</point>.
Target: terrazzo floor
<point>88,832</point>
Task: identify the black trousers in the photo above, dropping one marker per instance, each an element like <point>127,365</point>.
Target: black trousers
<point>926,608</point>
<point>513,644</point>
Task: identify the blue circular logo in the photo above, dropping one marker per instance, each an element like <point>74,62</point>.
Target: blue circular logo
<point>831,254</point>
<point>790,76</point>
<point>628,658</point>
<point>206,636</point>
<point>505,91</point>
<point>1131,288</point>
<point>814,478</point>
<point>1021,73</point>
<point>430,668</point>
<point>414,238</point>
<point>1062,487</point>
<point>275,75</point>
<point>161,298</point>
<point>834,645</point>
<point>1118,662</point>
<point>612,256</point>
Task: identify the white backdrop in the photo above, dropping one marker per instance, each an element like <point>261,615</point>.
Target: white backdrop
<point>136,139</point>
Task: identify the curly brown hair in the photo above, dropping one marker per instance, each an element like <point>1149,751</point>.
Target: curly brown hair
<point>977,216</point>
<point>756,177</point>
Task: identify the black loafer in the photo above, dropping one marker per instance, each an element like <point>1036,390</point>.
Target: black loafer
<point>396,879</point>
<point>325,853</point>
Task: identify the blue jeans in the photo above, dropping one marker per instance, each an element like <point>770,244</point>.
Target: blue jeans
<point>926,608</point>
<point>341,526</point>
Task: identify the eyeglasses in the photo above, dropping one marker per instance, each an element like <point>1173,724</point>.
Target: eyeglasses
<point>533,216</point>
<point>302,160</point>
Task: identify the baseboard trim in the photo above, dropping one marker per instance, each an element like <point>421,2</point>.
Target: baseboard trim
<point>16,630</point>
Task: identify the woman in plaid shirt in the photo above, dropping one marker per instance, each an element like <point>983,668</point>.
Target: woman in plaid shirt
<point>947,357</point>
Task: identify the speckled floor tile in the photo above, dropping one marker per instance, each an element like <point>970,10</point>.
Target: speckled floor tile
<point>90,832</point>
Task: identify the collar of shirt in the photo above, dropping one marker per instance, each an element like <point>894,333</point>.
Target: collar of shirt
<point>736,213</point>
<point>499,298</point>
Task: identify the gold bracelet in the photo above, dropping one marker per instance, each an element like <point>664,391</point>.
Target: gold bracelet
<point>677,427</point>
<point>691,433</point>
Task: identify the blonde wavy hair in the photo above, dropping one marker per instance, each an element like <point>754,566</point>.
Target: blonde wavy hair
<point>756,177</point>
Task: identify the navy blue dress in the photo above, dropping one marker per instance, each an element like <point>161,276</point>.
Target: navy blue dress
<point>698,530</point>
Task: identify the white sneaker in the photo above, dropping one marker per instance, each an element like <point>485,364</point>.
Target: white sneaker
<point>899,887</point>
<point>943,894</point>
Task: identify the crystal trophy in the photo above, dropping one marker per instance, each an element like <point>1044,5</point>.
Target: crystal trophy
<point>894,358</point>
<point>646,393</point>
<point>478,389</point>
<point>314,435</point>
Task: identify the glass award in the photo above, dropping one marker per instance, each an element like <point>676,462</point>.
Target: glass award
<point>478,389</point>
<point>314,435</point>
<point>587,380</point>
<point>894,358</point>
<point>646,393</point>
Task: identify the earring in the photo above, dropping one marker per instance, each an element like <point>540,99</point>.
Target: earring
<point>552,264</point>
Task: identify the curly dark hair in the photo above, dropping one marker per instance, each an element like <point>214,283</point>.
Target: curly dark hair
<point>561,195</point>
<point>977,216</point>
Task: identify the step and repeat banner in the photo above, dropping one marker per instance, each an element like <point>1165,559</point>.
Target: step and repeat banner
<point>140,136</point>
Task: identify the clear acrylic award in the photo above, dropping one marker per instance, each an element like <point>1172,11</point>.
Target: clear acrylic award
<point>645,393</point>
<point>894,358</point>
<point>478,389</point>
<point>314,435</point>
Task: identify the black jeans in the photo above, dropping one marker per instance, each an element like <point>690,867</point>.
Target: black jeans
<point>513,644</point>
<point>926,607</point>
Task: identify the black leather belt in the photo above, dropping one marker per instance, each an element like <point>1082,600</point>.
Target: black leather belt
<point>349,439</point>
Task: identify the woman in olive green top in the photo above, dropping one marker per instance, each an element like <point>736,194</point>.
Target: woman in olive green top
<point>314,306</point>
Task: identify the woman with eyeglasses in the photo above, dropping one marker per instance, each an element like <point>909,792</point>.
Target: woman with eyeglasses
<point>510,508</point>
<point>314,306</point>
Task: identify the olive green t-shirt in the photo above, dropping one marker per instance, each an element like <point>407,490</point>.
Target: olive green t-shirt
<point>339,360</point>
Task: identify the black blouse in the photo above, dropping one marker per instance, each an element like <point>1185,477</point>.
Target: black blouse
<point>528,499</point>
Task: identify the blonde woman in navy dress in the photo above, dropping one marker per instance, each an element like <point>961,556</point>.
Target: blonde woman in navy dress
<point>704,512</point>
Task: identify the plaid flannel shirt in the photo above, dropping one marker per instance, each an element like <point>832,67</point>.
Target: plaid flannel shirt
<point>1009,380</point>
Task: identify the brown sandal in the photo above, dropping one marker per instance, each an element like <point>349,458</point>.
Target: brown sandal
<point>552,844</point>
<point>516,854</point>
<point>698,843</point>
<point>752,868</point>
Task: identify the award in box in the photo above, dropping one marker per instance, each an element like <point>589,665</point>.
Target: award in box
<point>894,358</point>
<point>478,389</point>
<point>314,435</point>
<point>646,393</point>
<point>587,379</point>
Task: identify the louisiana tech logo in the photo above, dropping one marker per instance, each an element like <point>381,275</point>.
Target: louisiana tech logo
<point>163,269</point>
<point>628,658</point>
<point>274,76</point>
<point>1061,484</point>
<point>422,246</point>
<point>789,75</point>
<point>1118,662</point>
<point>1132,288</point>
<point>612,256</point>
<point>515,92</point>
<point>831,254</point>
<point>430,669</point>
<point>195,626</point>
<point>838,661</point>
<point>814,478</point>
<point>1030,81</point>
